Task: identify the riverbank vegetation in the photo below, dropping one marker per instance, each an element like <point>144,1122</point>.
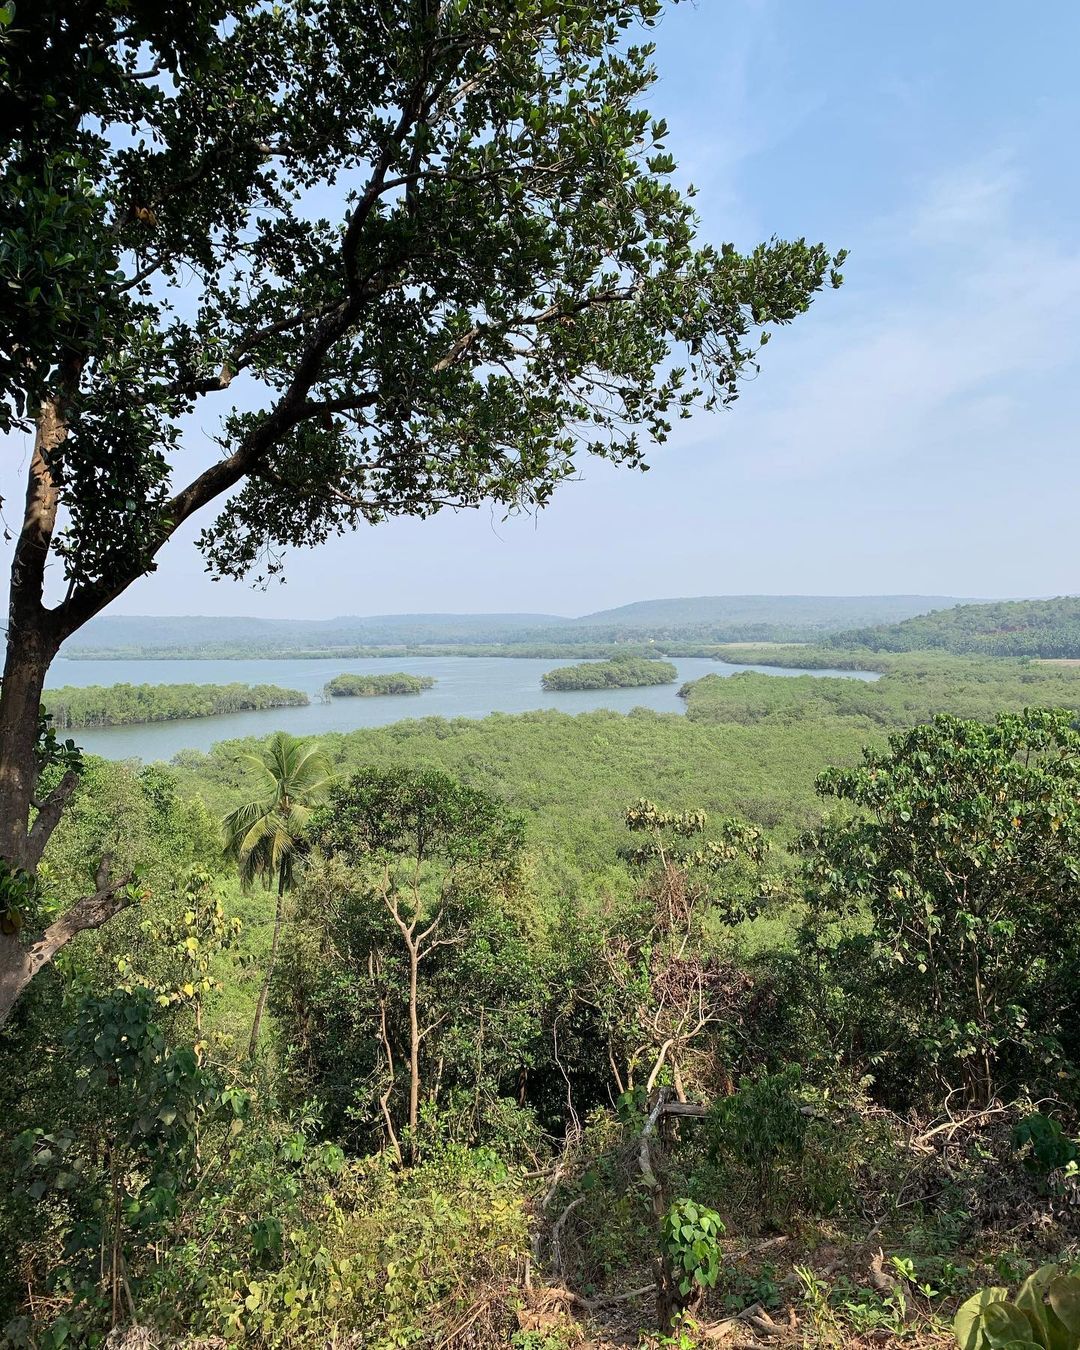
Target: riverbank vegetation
<point>370,686</point>
<point>913,688</point>
<point>119,705</point>
<point>621,672</point>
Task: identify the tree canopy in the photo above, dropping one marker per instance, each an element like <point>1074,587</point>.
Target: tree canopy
<point>622,672</point>
<point>963,854</point>
<point>371,686</point>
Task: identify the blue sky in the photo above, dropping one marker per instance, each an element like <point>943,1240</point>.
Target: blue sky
<point>917,432</point>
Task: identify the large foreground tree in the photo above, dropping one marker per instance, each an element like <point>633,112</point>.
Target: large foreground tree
<point>404,254</point>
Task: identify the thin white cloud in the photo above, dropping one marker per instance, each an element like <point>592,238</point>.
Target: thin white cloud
<point>974,197</point>
<point>939,367</point>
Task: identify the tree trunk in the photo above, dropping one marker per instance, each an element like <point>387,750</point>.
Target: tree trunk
<point>279,919</point>
<point>29,654</point>
<point>414,1051</point>
<point>33,639</point>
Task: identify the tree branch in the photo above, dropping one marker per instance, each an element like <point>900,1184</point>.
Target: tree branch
<point>19,964</point>
<point>48,817</point>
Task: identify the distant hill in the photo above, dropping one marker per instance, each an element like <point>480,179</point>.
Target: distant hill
<point>1036,628</point>
<point>710,619</point>
<point>132,635</point>
<point>747,618</point>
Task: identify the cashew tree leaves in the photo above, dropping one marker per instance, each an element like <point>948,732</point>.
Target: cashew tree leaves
<point>404,255</point>
<point>951,877</point>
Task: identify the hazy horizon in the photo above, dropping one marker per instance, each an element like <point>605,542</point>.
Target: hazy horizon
<point>119,612</point>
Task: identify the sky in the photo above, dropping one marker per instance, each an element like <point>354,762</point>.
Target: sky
<point>915,433</point>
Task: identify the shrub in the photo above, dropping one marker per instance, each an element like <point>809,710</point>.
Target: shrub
<point>762,1129</point>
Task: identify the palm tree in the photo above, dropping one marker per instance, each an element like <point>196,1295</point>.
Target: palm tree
<point>265,835</point>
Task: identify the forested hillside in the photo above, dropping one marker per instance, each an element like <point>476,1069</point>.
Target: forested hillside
<point>745,618</point>
<point>1035,628</point>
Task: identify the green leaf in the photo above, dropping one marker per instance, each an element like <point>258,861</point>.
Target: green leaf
<point>1064,1295</point>
<point>966,1324</point>
<point>1003,1323</point>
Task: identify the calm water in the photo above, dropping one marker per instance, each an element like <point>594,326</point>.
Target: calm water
<point>467,687</point>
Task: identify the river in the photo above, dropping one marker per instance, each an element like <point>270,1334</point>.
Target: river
<point>470,686</point>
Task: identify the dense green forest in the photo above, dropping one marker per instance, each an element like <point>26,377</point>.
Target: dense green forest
<point>913,688</point>
<point>621,672</point>
<point>227,1106</point>
<point>1039,628</point>
<point>368,686</point>
<point>117,705</point>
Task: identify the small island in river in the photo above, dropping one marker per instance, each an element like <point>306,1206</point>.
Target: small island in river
<point>121,705</point>
<point>371,686</point>
<point>621,672</point>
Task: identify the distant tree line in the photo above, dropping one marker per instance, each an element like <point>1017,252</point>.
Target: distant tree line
<point>914,688</point>
<point>1018,628</point>
<point>369,686</point>
<point>119,705</point>
<point>243,650</point>
<point>623,672</point>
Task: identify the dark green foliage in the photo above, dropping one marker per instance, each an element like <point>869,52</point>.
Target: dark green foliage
<point>117,1168</point>
<point>689,1240</point>
<point>1046,1146</point>
<point>421,814</point>
<point>1043,628</point>
<point>117,705</point>
<point>413,905</point>
<point>622,672</point>
<point>962,859</point>
<point>368,686</point>
<point>761,1130</point>
<point>110,1127</point>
